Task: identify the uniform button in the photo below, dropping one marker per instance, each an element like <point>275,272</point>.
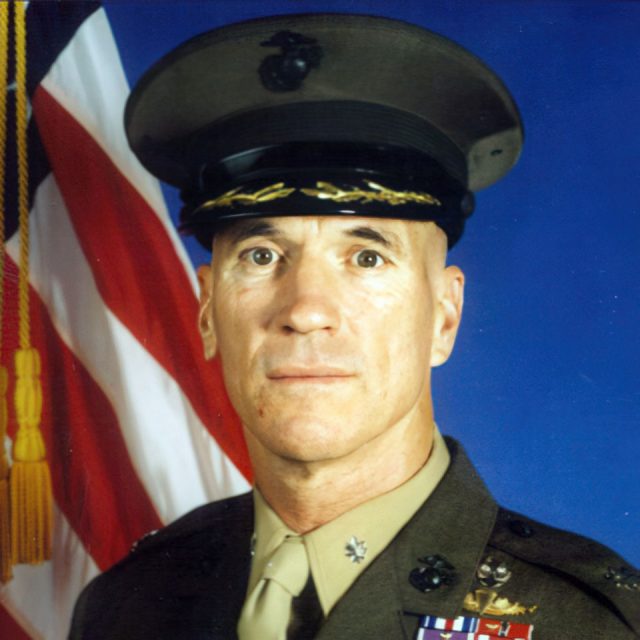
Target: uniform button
<point>521,528</point>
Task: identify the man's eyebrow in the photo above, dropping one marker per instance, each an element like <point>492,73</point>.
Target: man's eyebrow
<point>386,239</point>
<point>244,229</point>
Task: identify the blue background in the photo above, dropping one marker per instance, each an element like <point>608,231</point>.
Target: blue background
<point>544,385</point>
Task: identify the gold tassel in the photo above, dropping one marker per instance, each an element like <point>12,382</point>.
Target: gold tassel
<point>31,507</point>
<point>30,479</point>
<point>5,523</point>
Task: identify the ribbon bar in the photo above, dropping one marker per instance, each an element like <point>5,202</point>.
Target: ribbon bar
<point>472,629</point>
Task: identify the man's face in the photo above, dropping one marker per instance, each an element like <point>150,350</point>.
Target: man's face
<point>327,328</point>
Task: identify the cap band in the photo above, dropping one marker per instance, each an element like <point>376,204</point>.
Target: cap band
<point>325,179</point>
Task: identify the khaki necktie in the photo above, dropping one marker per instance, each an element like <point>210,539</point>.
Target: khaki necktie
<point>267,610</point>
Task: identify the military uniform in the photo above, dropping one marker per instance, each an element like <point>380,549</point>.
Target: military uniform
<point>190,579</point>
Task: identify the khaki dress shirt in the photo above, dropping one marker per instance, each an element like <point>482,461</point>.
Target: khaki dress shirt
<point>342,549</point>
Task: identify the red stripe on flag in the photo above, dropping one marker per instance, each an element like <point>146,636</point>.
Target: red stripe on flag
<point>94,482</point>
<point>136,268</point>
<point>11,630</point>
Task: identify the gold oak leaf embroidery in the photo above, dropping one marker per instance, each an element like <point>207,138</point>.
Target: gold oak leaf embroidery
<point>235,196</point>
<point>328,191</point>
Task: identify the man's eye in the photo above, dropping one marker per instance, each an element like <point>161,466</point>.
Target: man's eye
<point>262,256</point>
<point>368,259</point>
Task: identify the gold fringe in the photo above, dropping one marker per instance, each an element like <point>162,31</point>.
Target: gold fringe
<point>5,514</point>
<point>31,495</point>
<point>32,514</point>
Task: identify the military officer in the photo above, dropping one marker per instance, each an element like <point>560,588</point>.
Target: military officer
<point>330,161</point>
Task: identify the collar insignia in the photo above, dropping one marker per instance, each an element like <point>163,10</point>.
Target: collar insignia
<point>438,571</point>
<point>355,550</point>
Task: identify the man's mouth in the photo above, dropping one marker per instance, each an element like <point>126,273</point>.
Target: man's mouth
<point>301,373</point>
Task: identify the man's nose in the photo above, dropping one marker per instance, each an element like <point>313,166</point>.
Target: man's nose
<point>310,297</point>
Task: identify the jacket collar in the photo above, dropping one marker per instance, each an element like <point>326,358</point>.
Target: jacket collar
<point>454,523</point>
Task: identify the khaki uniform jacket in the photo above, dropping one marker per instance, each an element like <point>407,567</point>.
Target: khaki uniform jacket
<point>190,579</point>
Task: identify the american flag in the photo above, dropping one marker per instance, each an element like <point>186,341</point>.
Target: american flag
<point>137,425</point>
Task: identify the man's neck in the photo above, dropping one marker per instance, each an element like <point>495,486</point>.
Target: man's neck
<point>307,495</point>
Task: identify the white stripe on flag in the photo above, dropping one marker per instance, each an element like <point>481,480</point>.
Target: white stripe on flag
<point>179,463</point>
<point>88,81</point>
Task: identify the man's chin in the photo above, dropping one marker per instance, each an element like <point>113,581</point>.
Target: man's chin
<point>307,441</point>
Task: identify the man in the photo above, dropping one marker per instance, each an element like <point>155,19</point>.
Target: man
<point>330,161</point>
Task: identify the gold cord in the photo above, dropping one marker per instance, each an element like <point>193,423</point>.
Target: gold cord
<point>30,481</point>
<point>23,171</point>
<point>5,515</point>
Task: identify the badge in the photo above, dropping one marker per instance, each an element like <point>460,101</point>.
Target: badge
<point>487,601</point>
<point>493,574</point>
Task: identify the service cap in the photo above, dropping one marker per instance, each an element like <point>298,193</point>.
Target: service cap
<point>326,114</point>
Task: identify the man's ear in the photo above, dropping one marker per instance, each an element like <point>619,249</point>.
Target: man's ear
<point>205,315</point>
<point>448,313</point>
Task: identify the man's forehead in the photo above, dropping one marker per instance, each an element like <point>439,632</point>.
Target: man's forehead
<point>391,233</point>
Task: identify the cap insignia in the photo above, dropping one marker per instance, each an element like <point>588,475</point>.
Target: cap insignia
<point>286,71</point>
